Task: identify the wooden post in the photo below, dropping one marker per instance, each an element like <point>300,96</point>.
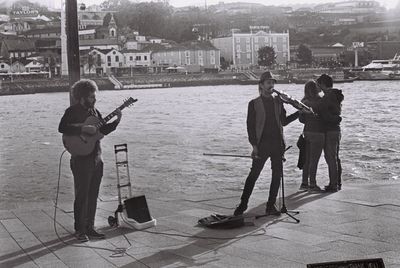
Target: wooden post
<point>72,43</point>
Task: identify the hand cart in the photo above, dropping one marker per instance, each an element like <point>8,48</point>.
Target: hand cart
<point>132,212</point>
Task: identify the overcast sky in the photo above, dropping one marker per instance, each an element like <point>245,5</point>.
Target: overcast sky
<point>181,3</point>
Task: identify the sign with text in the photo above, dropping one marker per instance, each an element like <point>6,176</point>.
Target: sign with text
<point>259,27</point>
<point>366,263</point>
<point>23,11</point>
<point>358,44</point>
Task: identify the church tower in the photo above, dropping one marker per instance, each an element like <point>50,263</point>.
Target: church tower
<point>112,28</point>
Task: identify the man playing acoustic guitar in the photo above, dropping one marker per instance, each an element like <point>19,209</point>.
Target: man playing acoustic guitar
<point>86,169</point>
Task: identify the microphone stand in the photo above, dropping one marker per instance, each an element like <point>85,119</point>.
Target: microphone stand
<point>283,208</point>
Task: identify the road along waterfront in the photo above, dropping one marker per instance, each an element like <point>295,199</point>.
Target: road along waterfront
<point>169,129</point>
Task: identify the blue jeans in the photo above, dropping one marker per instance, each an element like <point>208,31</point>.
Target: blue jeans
<point>331,151</point>
<point>315,142</point>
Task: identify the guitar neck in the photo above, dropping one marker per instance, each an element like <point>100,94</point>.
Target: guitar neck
<point>108,117</point>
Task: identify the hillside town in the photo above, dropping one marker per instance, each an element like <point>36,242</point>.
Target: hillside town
<point>240,37</point>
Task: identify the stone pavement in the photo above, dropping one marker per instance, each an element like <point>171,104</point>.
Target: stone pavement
<point>359,222</point>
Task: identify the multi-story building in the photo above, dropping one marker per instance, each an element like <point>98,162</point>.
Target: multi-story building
<point>137,58</point>
<point>242,48</point>
<point>192,56</point>
<point>323,54</point>
<point>16,48</point>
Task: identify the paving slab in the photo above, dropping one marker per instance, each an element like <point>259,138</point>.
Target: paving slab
<point>357,222</point>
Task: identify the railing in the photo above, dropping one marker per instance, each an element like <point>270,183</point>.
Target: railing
<point>117,84</point>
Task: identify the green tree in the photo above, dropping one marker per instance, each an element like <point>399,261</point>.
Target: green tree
<point>106,19</point>
<point>304,54</point>
<point>266,56</point>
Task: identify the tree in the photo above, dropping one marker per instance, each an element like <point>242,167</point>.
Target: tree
<point>304,54</point>
<point>266,56</point>
<point>106,19</point>
<point>224,63</point>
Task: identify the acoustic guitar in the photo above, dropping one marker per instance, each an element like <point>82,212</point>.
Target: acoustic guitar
<point>83,144</point>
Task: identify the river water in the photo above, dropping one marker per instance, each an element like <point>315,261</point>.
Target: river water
<point>168,130</point>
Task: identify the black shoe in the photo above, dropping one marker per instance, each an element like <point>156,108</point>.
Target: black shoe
<point>95,235</point>
<point>330,188</point>
<point>81,237</point>
<point>240,209</point>
<point>303,187</point>
<point>315,189</point>
<point>272,210</point>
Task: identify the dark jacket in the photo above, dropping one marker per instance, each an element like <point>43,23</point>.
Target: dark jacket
<point>312,123</point>
<point>256,118</point>
<point>331,108</point>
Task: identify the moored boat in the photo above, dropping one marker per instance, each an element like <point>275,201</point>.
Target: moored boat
<point>380,70</point>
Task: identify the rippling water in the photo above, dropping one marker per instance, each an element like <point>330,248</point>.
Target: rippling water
<point>168,130</point>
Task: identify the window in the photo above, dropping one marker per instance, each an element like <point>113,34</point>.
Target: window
<point>109,64</point>
<point>187,53</point>
<point>212,53</point>
<point>201,61</point>
<point>117,58</point>
<point>138,57</point>
<point>2,66</point>
<point>114,52</point>
<point>145,57</point>
<point>200,53</point>
<point>212,60</point>
<point>109,58</point>
<point>131,58</point>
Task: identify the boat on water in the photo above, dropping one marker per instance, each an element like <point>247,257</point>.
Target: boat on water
<point>337,76</point>
<point>380,70</point>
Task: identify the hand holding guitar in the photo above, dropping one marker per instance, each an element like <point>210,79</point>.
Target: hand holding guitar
<point>83,144</point>
<point>118,113</point>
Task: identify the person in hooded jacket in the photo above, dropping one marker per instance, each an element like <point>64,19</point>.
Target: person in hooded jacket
<point>330,112</point>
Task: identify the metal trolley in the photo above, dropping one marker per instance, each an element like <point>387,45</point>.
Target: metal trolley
<point>132,212</point>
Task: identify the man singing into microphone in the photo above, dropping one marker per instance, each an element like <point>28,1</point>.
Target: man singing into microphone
<point>266,117</point>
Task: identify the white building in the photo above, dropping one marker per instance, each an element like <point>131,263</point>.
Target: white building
<point>242,48</point>
<point>134,58</point>
<point>4,67</point>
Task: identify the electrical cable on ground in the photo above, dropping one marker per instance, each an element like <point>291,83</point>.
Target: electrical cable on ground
<point>121,251</point>
<point>117,252</point>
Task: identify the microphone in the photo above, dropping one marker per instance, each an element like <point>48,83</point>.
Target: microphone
<point>290,100</point>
